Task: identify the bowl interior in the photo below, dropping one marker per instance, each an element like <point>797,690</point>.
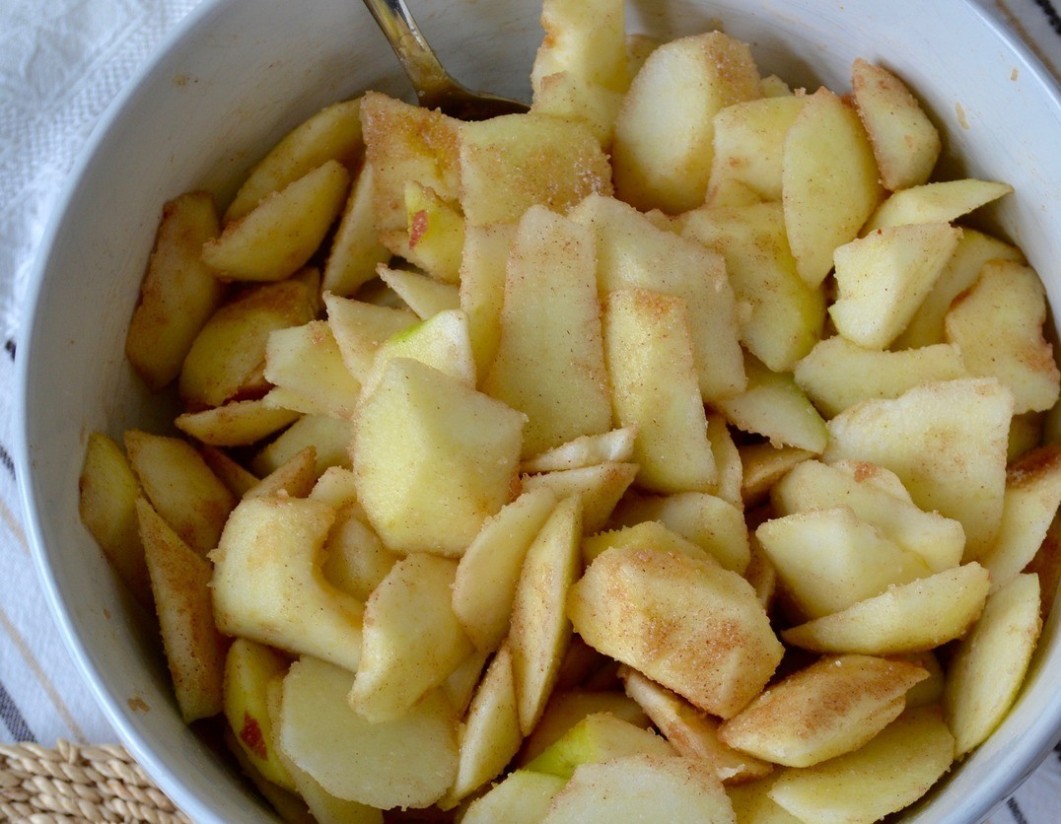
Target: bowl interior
<point>238,74</point>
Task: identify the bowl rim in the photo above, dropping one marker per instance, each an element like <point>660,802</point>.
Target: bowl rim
<point>196,19</point>
<point>34,514</point>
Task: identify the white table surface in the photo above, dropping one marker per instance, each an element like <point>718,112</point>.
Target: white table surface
<point>61,63</point>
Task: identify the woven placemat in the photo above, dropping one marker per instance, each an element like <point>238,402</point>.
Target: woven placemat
<point>78,783</point>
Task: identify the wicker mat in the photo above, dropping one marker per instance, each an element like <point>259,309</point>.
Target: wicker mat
<point>74,783</point>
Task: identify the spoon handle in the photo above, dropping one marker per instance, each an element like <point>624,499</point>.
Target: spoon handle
<point>427,74</point>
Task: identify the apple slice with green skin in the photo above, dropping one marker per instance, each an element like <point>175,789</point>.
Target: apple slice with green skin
<point>249,669</point>
<point>566,708</point>
<point>360,329</point>
<point>434,233</point>
<point>433,458</point>
<point>408,762</point>
<point>403,143</point>
<point>642,787</point>
<point>523,797</point>
<point>441,341</point>
<point>597,737</point>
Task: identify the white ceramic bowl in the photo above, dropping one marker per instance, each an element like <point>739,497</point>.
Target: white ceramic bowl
<point>238,74</point>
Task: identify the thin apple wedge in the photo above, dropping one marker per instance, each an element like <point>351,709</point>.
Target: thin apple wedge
<point>828,182</point>
<point>488,572</point>
<point>905,142</point>
<point>989,665</point>
<point>550,355</point>
<point>490,734</point>
<point>540,630</point>
<point>642,788</point>
<point>830,708</point>
<point>893,770</point>
<point>940,202</point>
<point>913,617</point>
<point>692,733</point>
<point>180,584</point>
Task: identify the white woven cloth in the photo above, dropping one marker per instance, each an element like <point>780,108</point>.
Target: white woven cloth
<point>61,63</point>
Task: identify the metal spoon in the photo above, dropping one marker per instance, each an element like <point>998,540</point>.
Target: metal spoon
<point>435,87</point>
